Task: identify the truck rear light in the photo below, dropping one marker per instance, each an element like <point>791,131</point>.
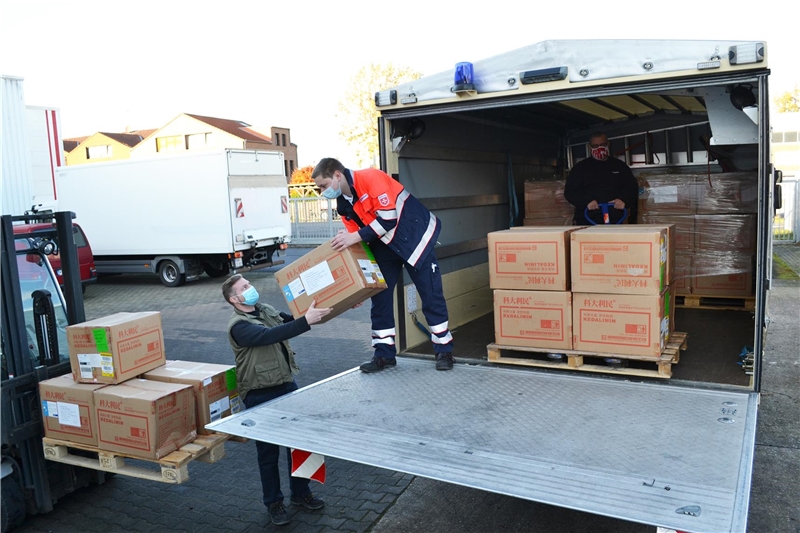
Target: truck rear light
<point>238,254</point>
<point>284,246</point>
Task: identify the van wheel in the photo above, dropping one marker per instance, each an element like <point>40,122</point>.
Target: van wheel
<point>216,271</point>
<point>170,274</point>
<point>12,508</point>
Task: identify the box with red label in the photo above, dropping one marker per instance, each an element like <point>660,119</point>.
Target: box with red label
<point>621,259</point>
<point>144,418</point>
<point>338,280</point>
<point>116,348</point>
<point>536,319</point>
<point>621,324</point>
<point>68,410</point>
<point>530,258</point>
<point>215,390</point>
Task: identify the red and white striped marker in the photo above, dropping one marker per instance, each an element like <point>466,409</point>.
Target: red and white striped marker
<point>239,208</point>
<point>284,204</point>
<point>308,465</point>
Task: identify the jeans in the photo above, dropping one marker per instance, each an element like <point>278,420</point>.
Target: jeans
<point>268,454</point>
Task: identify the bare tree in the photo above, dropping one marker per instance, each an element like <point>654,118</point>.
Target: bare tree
<point>357,112</point>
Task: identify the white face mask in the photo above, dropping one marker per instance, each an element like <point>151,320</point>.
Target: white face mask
<point>330,193</point>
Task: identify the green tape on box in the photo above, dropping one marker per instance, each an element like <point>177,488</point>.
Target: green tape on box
<point>368,251</point>
<point>100,339</point>
<point>230,378</point>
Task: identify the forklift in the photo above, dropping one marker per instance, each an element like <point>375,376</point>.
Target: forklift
<point>35,314</point>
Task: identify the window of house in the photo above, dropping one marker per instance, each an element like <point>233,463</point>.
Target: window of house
<point>198,141</point>
<point>171,143</point>
<point>283,139</point>
<point>291,167</point>
<point>99,152</point>
<point>777,136</point>
<point>790,136</point>
<point>286,168</point>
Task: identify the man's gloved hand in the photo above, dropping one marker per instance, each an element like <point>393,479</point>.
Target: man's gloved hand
<point>592,205</point>
<point>619,204</point>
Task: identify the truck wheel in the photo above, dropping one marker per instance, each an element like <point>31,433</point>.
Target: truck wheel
<point>170,274</point>
<point>12,508</point>
<point>216,271</point>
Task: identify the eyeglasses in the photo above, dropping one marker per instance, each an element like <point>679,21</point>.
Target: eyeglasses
<point>605,144</point>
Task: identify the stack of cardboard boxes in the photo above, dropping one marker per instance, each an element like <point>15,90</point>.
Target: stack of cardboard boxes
<point>601,289</point>
<point>545,204</point>
<point>124,396</point>
<point>715,220</point>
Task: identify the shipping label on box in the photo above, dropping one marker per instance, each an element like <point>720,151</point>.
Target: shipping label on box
<point>530,258</point>
<point>338,280</point>
<point>68,410</point>
<point>536,319</point>
<point>115,348</point>
<point>621,324</point>
<point>620,259</point>
<point>215,388</point>
<point>145,418</point>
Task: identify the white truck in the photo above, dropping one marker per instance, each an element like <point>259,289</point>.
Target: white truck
<point>675,453</point>
<point>32,151</point>
<point>177,216</point>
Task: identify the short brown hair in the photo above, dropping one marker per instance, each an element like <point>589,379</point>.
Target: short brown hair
<point>326,168</point>
<point>227,287</point>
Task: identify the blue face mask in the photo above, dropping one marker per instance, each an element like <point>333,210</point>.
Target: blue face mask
<point>250,296</point>
<point>332,194</point>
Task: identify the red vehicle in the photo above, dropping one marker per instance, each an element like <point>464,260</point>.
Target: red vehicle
<point>85,256</point>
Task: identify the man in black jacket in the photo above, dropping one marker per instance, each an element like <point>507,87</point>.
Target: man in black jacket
<point>601,179</point>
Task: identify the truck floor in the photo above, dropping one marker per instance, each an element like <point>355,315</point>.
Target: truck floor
<point>715,340</point>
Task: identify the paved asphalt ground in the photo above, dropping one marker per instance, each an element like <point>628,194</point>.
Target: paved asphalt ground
<point>226,496</point>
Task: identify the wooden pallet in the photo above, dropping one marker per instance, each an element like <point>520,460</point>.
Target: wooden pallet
<point>699,301</point>
<point>173,468</point>
<point>658,367</point>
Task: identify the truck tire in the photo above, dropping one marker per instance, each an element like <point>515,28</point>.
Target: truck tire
<point>170,274</point>
<point>12,508</point>
<point>216,270</point>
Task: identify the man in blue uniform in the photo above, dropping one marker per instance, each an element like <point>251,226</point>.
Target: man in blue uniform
<point>400,232</point>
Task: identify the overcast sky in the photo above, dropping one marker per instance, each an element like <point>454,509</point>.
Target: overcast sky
<point>108,65</point>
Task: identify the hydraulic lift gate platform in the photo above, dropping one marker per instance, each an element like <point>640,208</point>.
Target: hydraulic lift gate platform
<point>659,454</point>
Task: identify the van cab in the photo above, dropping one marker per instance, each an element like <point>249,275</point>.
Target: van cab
<point>88,271</point>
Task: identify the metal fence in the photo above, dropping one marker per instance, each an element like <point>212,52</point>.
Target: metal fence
<point>786,224</point>
<point>314,220</point>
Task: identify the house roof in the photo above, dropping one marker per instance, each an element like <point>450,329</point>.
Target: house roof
<point>234,127</point>
<point>128,139</point>
<point>144,133</point>
<point>72,143</point>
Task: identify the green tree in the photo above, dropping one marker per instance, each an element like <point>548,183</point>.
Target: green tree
<point>357,113</point>
<point>789,102</point>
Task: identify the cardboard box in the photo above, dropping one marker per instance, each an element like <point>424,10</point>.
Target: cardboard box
<point>556,219</point>
<point>723,274</point>
<point>144,418</point>
<point>622,324</point>
<point>683,274</point>
<point>726,233</point>
<point>536,319</point>
<point>685,230</point>
<point>530,258</point>
<point>68,410</point>
<point>727,192</point>
<point>215,391</point>
<point>546,198</point>
<point>668,194</point>
<point>116,348</point>
<point>334,279</point>
<point>620,259</point>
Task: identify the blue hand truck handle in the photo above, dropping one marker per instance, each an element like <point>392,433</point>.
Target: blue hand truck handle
<point>605,207</point>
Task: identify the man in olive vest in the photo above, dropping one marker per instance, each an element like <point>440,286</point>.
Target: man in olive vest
<point>259,335</point>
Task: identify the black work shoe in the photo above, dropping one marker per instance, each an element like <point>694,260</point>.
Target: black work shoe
<point>444,361</point>
<point>277,513</point>
<point>377,364</point>
<point>309,502</point>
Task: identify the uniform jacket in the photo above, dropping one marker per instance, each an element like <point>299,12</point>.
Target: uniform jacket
<point>258,367</point>
<point>383,209</point>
